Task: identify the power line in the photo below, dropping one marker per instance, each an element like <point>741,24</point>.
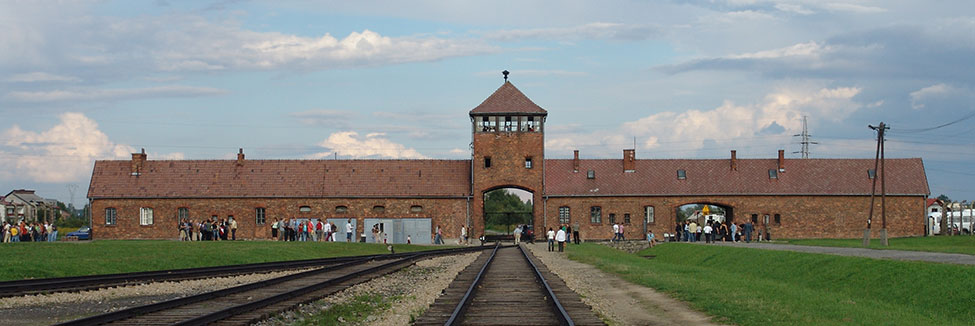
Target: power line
<point>910,131</point>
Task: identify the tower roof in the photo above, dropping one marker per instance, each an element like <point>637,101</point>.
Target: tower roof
<point>508,99</point>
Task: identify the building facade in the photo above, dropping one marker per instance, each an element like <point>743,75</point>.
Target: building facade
<point>783,198</point>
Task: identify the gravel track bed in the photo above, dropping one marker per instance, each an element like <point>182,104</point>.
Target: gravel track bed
<point>414,289</point>
<point>53,308</point>
<point>616,301</point>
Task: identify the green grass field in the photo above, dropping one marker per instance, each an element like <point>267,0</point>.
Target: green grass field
<point>762,287</point>
<point>58,259</point>
<point>961,244</point>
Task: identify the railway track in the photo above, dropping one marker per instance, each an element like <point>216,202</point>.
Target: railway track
<point>248,303</point>
<point>508,287</point>
<point>94,282</point>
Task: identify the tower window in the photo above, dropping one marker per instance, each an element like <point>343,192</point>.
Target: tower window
<point>508,125</point>
<point>528,162</point>
<point>487,161</point>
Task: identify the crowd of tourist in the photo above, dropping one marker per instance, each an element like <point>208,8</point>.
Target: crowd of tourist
<point>29,232</point>
<point>309,230</point>
<point>211,229</point>
<point>712,231</point>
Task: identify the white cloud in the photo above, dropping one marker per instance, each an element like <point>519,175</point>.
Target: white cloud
<point>928,92</point>
<point>373,145</point>
<point>598,31</point>
<point>800,49</point>
<point>852,7</point>
<point>772,120</point>
<point>93,94</point>
<point>35,77</point>
<point>64,153</point>
<point>793,8</point>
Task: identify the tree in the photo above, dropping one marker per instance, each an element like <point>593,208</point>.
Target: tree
<point>944,198</point>
<point>503,208</point>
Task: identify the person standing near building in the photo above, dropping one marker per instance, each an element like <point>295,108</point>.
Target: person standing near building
<point>463,234</point>
<point>692,228</point>
<point>233,229</point>
<point>707,233</point>
<point>734,232</point>
<point>616,231</point>
<point>575,233</point>
<point>622,233</point>
<point>438,236</point>
<point>319,231</point>
<point>517,234</point>
<point>748,231</point>
<point>274,230</point>
<point>550,235</point>
<point>560,237</point>
<point>348,230</point>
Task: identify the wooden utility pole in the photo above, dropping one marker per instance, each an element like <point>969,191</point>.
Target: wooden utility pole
<point>878,160</point>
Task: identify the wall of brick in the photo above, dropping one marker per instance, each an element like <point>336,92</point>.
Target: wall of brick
<point>801,216</point>
<point>508,151</point>
<point>449,213</point>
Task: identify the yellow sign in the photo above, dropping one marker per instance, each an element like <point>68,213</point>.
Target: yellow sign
<point>706,210</point>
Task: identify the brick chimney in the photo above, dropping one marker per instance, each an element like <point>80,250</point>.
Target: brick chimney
<point>781,160</point>
<point>734,160</point>
<point>575,161</point>
<point>138,161</point>
<point>629,160</point>
<point>240,157</point>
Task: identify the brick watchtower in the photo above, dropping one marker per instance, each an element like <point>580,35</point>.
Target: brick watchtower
<point>509,149</point>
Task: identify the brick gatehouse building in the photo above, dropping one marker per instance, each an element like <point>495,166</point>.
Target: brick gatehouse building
<point>791,198</point>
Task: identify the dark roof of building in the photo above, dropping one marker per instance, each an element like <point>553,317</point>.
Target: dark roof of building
<point>281,178</point>
<point>508,99</point>
<point>715,177</point>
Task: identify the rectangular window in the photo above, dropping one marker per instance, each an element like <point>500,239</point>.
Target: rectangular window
<point>111,216</point>
<point>754,218</point>
<point>528,162</point>
<point>778,219</point>
<point>261,216</point>
<point>626,218</point>
<point>508,125</point>
<point>487,161</point>
<point>145,216</point>
<point>773,174</point>
<point>596,215</point>
<point>681,174</point>
<point>591,174</point>
<point>612,218</point>
<point>648,214</point>
<point>183,213</point>
<point>871,173</point>
<point>564,217</point>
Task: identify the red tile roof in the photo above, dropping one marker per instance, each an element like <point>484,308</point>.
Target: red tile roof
<point>282,178</point>
<point>508,99</point>
<point>715,177</point>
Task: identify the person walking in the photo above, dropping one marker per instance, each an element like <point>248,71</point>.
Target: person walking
<point>463,234</point>
<point>233,229</point>
<point>734,232</point>
<point>575,233</point>
<point>550,235</point>
<point>439,236</point>
<point>517,234</point>
<point>622,233</point>
<point>748,231</point>
<point>616,232</point>
<point>560,237</point>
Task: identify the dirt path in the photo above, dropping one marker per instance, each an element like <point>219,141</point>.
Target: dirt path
<point>617,301</point>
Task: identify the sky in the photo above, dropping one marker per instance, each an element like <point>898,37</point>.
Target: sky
<point>89,80</point>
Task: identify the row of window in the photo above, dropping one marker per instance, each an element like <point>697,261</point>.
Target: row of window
<point>596,215</point>
<point>508,124</point>
<point>528,162</point>
<point>260,213</point>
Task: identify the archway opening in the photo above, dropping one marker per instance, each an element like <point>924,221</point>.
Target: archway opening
<point>720,217</point>
<point>507,209</point>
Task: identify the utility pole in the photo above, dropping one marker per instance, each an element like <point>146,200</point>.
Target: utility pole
<point>878,159</point>
<point>804,139</point>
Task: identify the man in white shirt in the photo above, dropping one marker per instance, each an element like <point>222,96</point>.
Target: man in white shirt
<point>327,230</point>
<point>517,234</point>
<point>551,239</point>
<point>560,237</point>
<point>707,233</point>
<point>463,235</point>
<point>616,232</point>
<point>348,230</point>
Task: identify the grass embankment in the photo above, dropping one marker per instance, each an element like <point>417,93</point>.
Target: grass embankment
<point>763,287</point>
<point>59,259</point>
<point>959,244</point>
<point>352,312</point>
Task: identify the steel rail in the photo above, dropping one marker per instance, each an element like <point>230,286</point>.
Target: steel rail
<point>564,318</point>
<point>464,303</point>
<point>146,309</point>
<point>250,306</point>
<point>74,283</point>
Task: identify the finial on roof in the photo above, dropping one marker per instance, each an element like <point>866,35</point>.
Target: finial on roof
<point>505,73</point>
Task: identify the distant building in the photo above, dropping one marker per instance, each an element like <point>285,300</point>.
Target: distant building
<point>24,204</point>
<point>786,198</point>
